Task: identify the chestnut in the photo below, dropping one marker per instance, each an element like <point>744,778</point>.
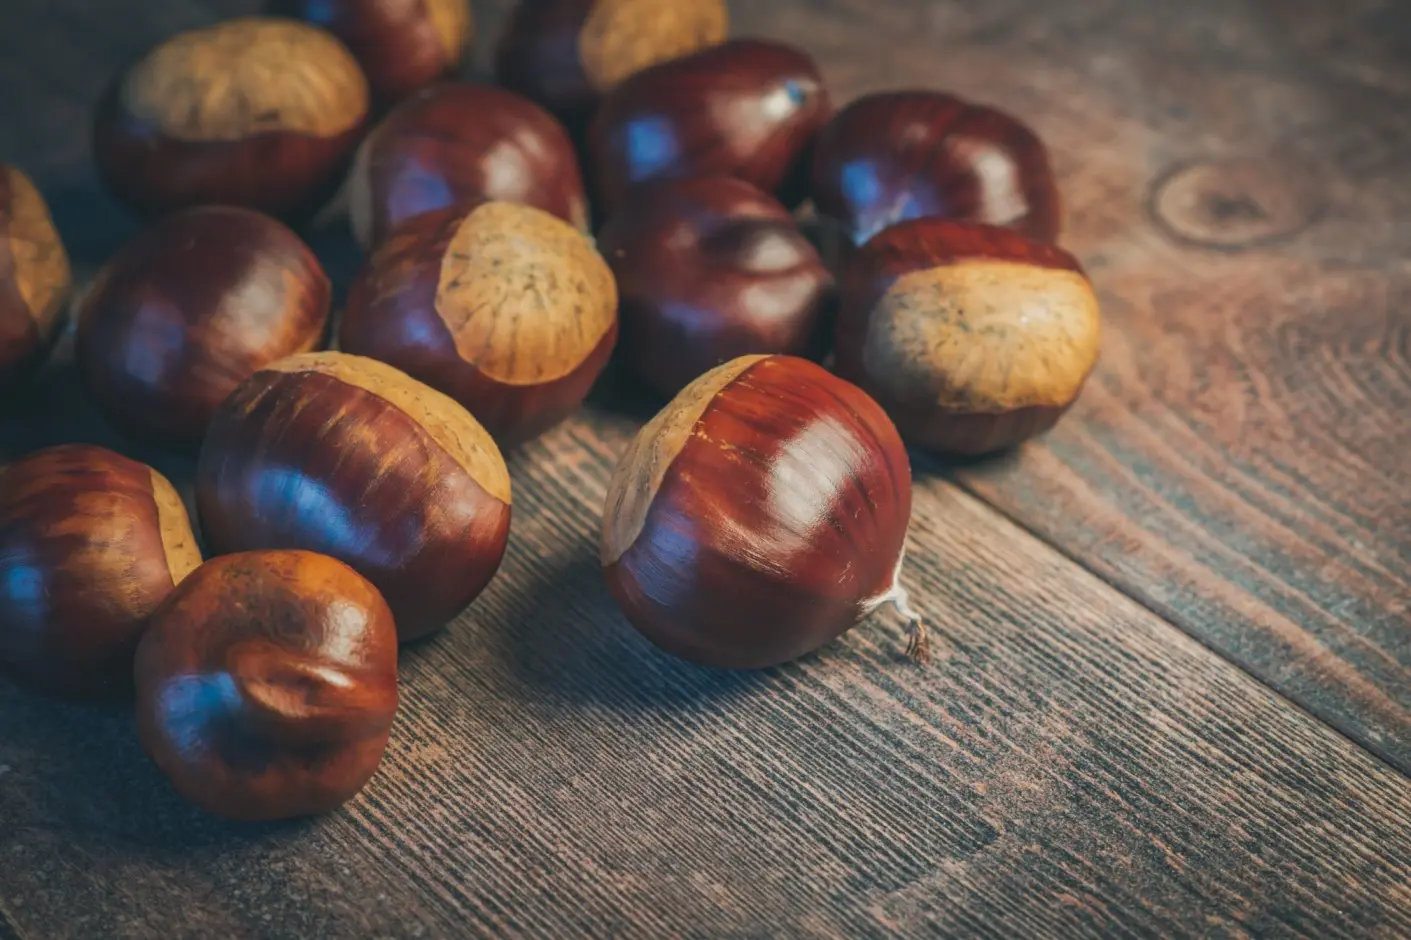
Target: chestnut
<point>348,457</point>
<point>402,45</point>
<point>972,337</point>
<point>456,145</point>
<point>189,309</point>
<point>711,269</point>
<point>747,108</point>
<point>35,279</point>
<point>759,516</point>
<point>890,157</point>
<point>267,685</point>
<point>507,309</point>
<point>565,54</point>
<point>260,112</point>
<point>90,543</point>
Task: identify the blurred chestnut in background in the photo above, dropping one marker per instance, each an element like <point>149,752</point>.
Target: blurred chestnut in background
<point>507,309</point>
<point>401,45</point>
<point>904,155</point>
<point>258,112</point>
<point>711,269</point>
<point>35,279</point>
<point>759,516</point>
<point>90,543</point>
<point>267,685</point>
<point>565,54</point>
<point>747,109</point>
<point>458,145</point>
<point>972,337</point>
<point>189,309</point>
<point>348,457</point>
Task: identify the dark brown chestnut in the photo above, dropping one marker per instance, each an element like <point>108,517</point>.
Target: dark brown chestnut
<point>972,337</point>
<point>348,457</point>
<point>565,54</point>
<point>507,309</point>
<point>90,543</point>
<point>35,279</point>
<point>902,155</point>
<point>402,45</point>
<point>458,145</point>
<point>260,112</point>
<point>189,309</point>
<point>711,269</point>
<point>760,515</point>
<point>747,109</point>
<point>267,685</point>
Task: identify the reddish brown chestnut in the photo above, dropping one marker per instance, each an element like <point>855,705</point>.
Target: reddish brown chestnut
<point>905,155</point>
<point>972,337</point>
<point>565,54</point>
<point>747,109</point>
<point>402,45</point>
<point>257,112</point>
<point>711,269</point>
<point>188,310</point>
<point>34,277</point>
<point>345,456</point>
<point>457,145</point>
<point>507,309</point>
<point>90,543</point>
<point>759,516</point>
<point>267,685</point>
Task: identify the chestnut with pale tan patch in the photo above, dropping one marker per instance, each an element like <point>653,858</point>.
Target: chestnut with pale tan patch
<point>973,337</point>
<point>453,23</point>
<point>35,279</point>
<point>622,37</point>
<point>179,546</point>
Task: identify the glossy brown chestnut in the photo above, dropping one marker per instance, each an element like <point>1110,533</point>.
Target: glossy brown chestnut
<point>259,112</point>
<point>507,309</point>
<point>188,310</point>
<point>759,516</point>
<point>457,145</point>
<point>348,457</point>
<point>565,54</point>
<point>34,277</point>
<point>402,45</point>
<point>972,337</point>
<point>267,685</point>
<point>904,155</point>
<point>747,109</point>
<point>711,269</point>
<point>90,543</point>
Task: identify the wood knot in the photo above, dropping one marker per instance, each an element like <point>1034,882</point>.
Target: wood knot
<point>1236,204</point>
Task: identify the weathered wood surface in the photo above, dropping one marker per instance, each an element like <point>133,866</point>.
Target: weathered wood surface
<point>1072,766</point>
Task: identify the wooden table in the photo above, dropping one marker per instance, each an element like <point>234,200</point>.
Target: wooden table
<point>1173,688</point>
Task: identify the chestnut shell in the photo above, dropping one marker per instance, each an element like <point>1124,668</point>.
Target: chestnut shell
<point>35,278</point>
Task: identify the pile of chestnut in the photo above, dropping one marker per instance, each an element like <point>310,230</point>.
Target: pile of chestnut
<point>352,499</point>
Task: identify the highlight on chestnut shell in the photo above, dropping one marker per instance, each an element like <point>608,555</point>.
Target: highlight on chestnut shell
<point>507,309</point>
<point>890,157</point>
<point>746,108</point>
<point>187,310</point>
<point>762,514</point>
<point>35,278</point>
<point>973,337</point>
<point>260,112</point>
<point>267,685</point>
<point>711,269</point>
<point>565,54</point>
<point>401,46</point>
<point>457,145</point>
<point>90,543</point>
<point>348,457</point>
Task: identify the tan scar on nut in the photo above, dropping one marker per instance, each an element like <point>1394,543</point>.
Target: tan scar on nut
<point>453,23</point>
<point>525,295</point>
<point>41,266</point>
<point>248,76</point>
<point>452,427</point>
<point>985,336</point>
<point>622,37</point>
<point>178,540</point>
<point>640,474</point>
